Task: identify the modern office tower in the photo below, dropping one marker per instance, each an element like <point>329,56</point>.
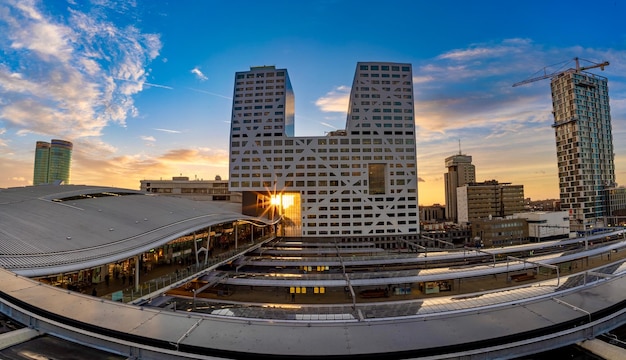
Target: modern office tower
<point>584,145</point>
<point>488,199</point>
<point>42,158</point>
<point>52,162</point>
<point>359,182</point>
<point>460,172</point>
<point>60,160</point>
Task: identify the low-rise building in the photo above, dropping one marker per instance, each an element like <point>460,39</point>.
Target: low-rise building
<point>432,214</point>
<point>546,225</point>
<point>441,233</point>
<point>488,198</point>
<point>181,186</point>
<point>499,231</point>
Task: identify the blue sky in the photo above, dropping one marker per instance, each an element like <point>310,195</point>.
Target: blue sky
<point>144,88</point>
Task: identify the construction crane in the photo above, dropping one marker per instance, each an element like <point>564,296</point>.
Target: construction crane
<point>551,75</point>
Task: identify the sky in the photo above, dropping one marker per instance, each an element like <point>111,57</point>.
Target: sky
<point>144,88</point>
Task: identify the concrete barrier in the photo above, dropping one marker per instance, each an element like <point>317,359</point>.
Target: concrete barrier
<point>603,349</point>
<point>17,337</point>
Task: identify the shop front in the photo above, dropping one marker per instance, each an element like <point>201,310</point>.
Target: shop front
<point>435,287</point>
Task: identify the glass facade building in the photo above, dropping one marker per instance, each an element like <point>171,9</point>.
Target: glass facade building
<point>361,181</point>
<point>42,158</point>
<point>52,162</point>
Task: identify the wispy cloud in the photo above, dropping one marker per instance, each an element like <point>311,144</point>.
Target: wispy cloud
<point>143,83</point>
<point>196,156</point>
<point>199,75</point>
<point>96,163</point>
<point>335,101</point>
<point>210,93</point>
<point>422,79</point>
<point>508,46</point>
<point>169,131</point>
<point>147,138</point>
<point>69,77</point>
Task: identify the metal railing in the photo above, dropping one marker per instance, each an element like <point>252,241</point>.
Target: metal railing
<point>147,287</point>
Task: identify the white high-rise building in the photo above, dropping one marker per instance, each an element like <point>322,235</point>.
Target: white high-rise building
<point>359,182</point>
<point>584,145</point>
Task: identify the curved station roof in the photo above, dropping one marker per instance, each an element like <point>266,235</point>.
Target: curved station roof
<point>52,229</point>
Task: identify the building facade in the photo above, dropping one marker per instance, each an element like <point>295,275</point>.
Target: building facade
<point>489,199</point>
<point>181,186</point>
<point>435,213</point>
<point>42,158</point>
<point>546,225</point>
<point>615,210</point>
<point>461,171</point>
<point>52,162</point>
<point>584,145</point>
<point>361,181</point>
<point>499,231</point>
<point>443,233</point>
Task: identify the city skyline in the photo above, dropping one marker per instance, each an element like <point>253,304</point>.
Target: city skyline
<point>143,97</point>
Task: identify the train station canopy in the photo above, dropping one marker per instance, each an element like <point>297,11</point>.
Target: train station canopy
<point>53,229</point>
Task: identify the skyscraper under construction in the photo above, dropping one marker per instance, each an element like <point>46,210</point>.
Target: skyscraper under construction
<point>584,145</point>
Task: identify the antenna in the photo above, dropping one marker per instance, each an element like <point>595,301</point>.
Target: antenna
<point>460,153</point>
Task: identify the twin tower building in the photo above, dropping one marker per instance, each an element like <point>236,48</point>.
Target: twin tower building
<point>361,181</point>
<point>52,162</point>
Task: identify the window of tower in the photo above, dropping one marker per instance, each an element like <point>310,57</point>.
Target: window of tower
<point>376,174</point>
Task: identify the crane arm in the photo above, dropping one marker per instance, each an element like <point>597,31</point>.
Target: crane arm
<point>601,66</point>
<point>546,76</point>
<point>551,75</point>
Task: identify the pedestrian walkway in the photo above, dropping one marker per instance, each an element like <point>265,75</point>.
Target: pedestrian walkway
<point>161,276</point>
